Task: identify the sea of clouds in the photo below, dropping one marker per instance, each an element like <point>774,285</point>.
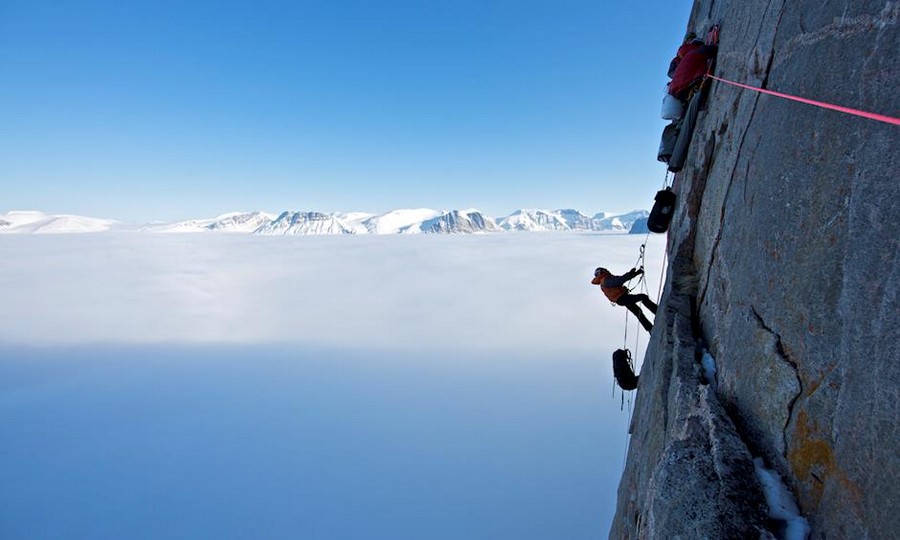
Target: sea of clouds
<point>522,292</point>
<point>310,387</point>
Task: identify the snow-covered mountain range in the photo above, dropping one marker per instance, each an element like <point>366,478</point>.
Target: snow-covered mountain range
<point>40,223</point>
<point>405,221</point>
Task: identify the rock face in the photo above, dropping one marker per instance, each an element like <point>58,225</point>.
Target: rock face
<point>786,233</point>
<point>689,474</point>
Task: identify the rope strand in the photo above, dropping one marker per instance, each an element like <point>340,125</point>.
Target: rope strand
<point>662,272</point>
<point>855,112</point>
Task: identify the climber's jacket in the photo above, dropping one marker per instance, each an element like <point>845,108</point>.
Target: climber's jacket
<point>691,68</point>
<point>683,50</point>
<point>613,286</point>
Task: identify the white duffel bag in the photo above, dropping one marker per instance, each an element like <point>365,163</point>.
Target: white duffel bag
<point>672,108</point>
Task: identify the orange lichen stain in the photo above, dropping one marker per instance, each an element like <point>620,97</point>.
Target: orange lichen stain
<point>813,461</point>
<point>811,387</point>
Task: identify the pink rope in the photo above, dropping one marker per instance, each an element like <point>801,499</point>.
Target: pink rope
<point>848,110</point>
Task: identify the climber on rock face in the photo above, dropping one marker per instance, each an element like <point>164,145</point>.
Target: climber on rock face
<point>689,66</point>
<point>690,43</point>
<point>614,289</point>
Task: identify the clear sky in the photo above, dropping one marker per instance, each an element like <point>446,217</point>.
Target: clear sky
<point>164,109</point>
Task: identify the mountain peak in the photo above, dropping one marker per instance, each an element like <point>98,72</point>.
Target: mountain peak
<point>290,222</point>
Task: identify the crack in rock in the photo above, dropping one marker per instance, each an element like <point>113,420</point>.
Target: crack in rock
<point>765,80</point>
<point>786,358</point>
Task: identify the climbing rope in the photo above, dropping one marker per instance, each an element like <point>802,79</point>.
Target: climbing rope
<point>642,286</point>
<point>637,334</point>
<point>630,392</point>
<point>639,263</point>
<point>856,112</point>
<point>625,454</point>
<point>662,273</point>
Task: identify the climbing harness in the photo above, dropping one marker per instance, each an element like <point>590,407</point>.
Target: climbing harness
<point>856,112</point>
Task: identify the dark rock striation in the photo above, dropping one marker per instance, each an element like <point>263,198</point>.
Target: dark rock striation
<point>785,262</point>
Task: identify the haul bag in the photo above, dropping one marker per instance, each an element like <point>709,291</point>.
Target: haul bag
<point>667,143</point>
<point>672,107</point>
<point>622,370</point>
<point>686,131</point>
<point>662,211</point>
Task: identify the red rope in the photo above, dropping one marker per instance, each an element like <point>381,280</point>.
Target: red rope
<point>855,112</point>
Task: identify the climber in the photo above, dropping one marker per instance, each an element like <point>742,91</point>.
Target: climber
<point>690,43</point>
<point>614,289</point>
<point>673,107</point>
<point>690,66</point>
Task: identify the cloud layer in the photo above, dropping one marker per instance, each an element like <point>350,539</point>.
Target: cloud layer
<point>197,386</point>
<point>518,292</point>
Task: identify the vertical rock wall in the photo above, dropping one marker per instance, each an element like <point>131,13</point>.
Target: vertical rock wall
<point>785,260</point>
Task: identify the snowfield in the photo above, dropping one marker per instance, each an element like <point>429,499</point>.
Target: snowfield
<point>40,223</point>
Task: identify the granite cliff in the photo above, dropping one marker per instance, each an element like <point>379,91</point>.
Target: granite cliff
<point>784,265</point>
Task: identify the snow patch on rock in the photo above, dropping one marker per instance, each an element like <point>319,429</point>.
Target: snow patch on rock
<point>782,507</point>
<point>709,369</point>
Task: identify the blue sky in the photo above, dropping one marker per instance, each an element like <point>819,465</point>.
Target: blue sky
<point>168,110</point>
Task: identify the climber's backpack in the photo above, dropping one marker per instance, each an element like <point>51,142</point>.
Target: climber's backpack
<point>622,370</point>
<point>662,211</point>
